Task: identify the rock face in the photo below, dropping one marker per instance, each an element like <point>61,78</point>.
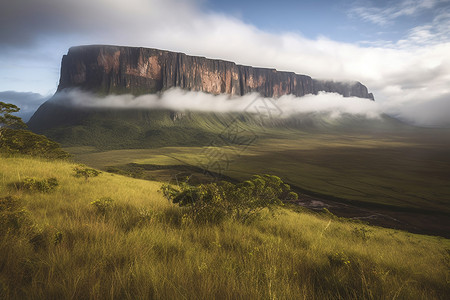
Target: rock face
<point>114,69</point>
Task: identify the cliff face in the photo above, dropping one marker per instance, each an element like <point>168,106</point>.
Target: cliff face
<point>115,69</point>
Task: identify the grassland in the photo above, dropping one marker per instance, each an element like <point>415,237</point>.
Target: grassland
<point>379,161</point>
<point>140,248</point>
<point>410,170</point>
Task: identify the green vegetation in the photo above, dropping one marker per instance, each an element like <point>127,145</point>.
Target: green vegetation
<point>7,119</point>
<point>213,203</point>
<point>379,161</point>
<point>13,217</point>
<point>102,205</point>
<point>16,140</point>
<point>408,171</point>
<point>132,129</point>
<point>26,142</point>
<point>118,237</point>
<point>37,185</point>
<point>85,172</point>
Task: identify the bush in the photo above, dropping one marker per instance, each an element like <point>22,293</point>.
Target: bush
<point>13,217</point>
<point>214,202</point>
<point>362,233</point>
<point>82,171</point>
<point>339,259</point>
<point>102,205</point>
<point>32,184</point>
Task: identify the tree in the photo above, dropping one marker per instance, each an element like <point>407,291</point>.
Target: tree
<point>15,139</point>
<point>7,120</point>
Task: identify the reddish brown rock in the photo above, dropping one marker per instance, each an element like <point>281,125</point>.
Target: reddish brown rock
<point>116,69</point>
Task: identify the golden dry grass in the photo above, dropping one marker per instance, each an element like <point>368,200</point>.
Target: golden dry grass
<point>141,249</point>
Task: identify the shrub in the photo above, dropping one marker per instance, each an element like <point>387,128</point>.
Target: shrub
<point>102,205</point>
<point>339,259</point>
<point>214,202</point>
<point>32,184</point>
<point>13,217</point>
<point>362,233</point>
<point>82,171</point>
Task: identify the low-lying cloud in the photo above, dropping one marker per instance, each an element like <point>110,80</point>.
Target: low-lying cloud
<point>332,105</point>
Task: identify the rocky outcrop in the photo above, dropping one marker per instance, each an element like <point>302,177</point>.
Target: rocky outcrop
<point>114,69</point>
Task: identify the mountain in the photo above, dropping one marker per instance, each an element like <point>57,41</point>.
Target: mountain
<point>115,69</point>
<point>104,70</point>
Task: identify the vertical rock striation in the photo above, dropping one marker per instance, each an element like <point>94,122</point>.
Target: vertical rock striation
<point>115,69</point>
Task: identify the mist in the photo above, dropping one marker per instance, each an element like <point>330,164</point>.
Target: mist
<point>329,104</point>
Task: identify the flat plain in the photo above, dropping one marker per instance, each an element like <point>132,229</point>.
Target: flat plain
<point>401,173</point>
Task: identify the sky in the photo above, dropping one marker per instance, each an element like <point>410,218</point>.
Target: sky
<point>398,49</point>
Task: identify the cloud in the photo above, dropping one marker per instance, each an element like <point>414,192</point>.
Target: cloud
<point>435,33</point>
<point>25,22</point>
<point>27,102</point>
<point>434,113</point>
<point>412,71</point>
<point>394,10</point>
<point>420,113</point>
<point>330,104</point>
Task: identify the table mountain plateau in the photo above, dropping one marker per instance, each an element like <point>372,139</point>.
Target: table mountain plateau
<point>106,70</point>
<point>114,69</point>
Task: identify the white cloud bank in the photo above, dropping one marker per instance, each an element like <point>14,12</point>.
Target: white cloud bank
<point>406,77</point>
<point>329,104</point>
<point>180,100</point>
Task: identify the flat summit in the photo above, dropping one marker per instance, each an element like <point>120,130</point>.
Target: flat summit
<point>117,69</point>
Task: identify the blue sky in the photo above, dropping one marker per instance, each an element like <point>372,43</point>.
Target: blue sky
<point>399,49</point>
<point>340,20</point>
<point>333,19</point>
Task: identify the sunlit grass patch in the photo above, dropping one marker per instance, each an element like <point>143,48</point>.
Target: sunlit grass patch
<point>137,246</point>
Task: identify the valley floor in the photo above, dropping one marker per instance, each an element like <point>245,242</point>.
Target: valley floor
<point>395,179</point>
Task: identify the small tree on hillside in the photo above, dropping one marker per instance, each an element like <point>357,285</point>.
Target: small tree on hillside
<point>7,119</point>
<point>14,139</point>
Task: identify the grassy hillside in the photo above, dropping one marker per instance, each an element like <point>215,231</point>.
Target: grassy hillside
<point>58,245</point>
